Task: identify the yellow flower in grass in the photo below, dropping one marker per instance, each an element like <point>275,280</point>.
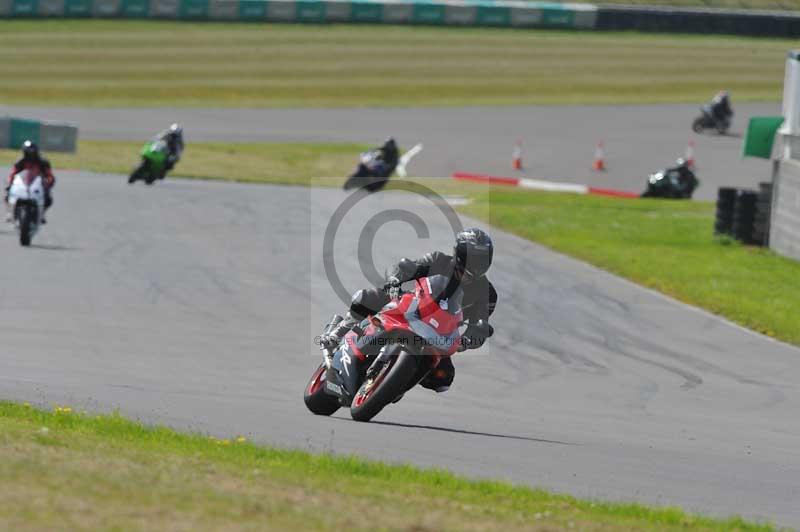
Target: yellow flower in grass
<point>241,439</point>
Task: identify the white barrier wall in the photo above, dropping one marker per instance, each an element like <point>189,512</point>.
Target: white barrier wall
<point>784,233</point>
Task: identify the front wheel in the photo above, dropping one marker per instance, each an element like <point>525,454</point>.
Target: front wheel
<point>317,401</point>
<point>139,172</point>
<point>25,223</point>
<point>377,392</point>
<point>697,125</point>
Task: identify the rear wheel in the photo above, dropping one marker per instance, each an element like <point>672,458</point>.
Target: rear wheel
<point>25,222</point>
<point>390,382</point>
<point>317,401</point>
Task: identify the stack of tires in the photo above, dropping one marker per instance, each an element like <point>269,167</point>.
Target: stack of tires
<point>726,201</point>
<point>763,210</point>
<point>744,214</point>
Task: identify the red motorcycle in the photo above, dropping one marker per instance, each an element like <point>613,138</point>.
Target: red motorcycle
<point>414,332</point>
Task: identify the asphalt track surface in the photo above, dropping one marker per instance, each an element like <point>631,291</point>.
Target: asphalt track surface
<point>558,141</point>
<point>195,303</point>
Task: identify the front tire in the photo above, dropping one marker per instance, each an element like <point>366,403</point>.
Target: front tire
<point>697,125</point>
<point>139,172</point>
<point>25,222</point>
<point>387,386</point>
<point>317,401</point>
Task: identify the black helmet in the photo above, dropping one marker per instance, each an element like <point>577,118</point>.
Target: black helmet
<point>390,144</point>
<point>30,150</point>
<point>473,251</point>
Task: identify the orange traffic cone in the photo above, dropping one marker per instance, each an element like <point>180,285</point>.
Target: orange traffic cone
<point>690,154</point>
<point>516,156</point>
<point>599,164</point>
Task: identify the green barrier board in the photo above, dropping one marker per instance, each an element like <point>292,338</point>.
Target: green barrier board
<point>309,11</point>
<point>558,17</point>
<point>194,9</point>
<point>428,14</point>
<point>135,8</point>
<point>24,8</point>
<point>252,10</point>
<point>493,16</point>
<point>366,12</point>
<point>22,130</point>
<point>78,8</point>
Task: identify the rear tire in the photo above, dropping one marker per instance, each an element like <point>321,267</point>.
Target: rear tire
<point>394,381</point>
<point>317,401</point>
<point>25,221</point>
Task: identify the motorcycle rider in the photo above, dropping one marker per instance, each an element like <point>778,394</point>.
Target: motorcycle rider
<point>389,154</point>
<point>686,178</point>
<point>466,268</point>
<point>720,107</point>
<point>173,136</point>
<point>33,161</point>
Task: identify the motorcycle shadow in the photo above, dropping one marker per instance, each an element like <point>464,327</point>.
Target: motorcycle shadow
<point>451,430</point>
<point>53,247</point>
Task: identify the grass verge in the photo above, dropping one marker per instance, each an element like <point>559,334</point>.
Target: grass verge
<point>62,470</point>
<point>167,63</point>
<point>289,164</point>
<point>664,245</point>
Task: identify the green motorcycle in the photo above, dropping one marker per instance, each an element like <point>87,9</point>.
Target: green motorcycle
<point>154,162</point>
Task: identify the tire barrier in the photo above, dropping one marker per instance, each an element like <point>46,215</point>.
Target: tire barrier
<point>50,136</point>
<point>763,213</point>
<point>726,200</point>
<point>744,214</point>
<point>501,13</point>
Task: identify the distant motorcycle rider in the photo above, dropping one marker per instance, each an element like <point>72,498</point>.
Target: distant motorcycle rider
<point>33,162</point>
<point>389,154</point>
<point>173,136</point>
<point>466,268</point>
<point>720,107</point>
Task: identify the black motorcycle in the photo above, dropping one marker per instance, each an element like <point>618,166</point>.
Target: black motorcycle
<point>671,183</point>
<point>707,120</point>
<point>372,172</point>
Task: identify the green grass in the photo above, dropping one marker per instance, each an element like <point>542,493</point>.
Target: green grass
<point>160,63</point>
<point>291,164</point>
<point>665,245</point>
<point>62,470</point>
